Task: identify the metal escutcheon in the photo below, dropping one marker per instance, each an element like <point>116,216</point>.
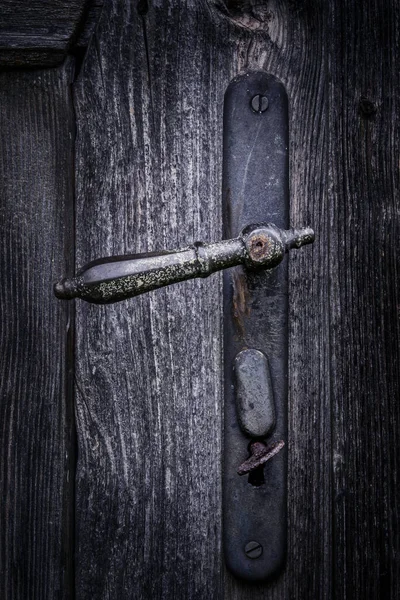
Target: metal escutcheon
<point>255,191</point>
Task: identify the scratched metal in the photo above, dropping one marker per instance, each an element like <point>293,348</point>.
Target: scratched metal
<point>255,189</point>
<point>112,279</point>
<point>254,394</point>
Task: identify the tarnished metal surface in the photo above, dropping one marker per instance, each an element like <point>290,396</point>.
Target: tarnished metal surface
<point>255,189</point>
<point>254,393</point>
<point>113,279</point>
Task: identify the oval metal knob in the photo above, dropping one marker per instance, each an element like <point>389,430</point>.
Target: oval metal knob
<point>255,404</point>
<point>112,279</point>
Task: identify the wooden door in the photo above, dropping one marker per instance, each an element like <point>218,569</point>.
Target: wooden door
<point>111,417</point>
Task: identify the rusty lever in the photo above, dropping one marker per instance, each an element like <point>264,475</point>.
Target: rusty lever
<point>260,454</point>
<point>112,279</point>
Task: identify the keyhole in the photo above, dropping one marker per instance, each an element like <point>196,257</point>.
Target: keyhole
<point>256,477</point>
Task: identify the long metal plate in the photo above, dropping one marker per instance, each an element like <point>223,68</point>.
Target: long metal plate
<point>255,189</point>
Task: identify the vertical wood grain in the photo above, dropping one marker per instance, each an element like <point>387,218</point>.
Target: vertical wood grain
<point>149,398</point>
<point>149,114</point>
<point>364,191</point>
<point>36,436</point>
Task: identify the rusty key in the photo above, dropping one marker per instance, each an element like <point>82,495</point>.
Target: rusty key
<point>260,454</point>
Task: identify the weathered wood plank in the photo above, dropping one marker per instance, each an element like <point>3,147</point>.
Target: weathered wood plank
<point>149,176</point>
<point>364,201</point>
<point>36,414</point>
<point>38,33</point>
<point>90,22</point>
<point>149,370</point>
<point>149,406</point>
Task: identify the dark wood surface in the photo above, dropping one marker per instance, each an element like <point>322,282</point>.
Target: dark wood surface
<point>36,410</point>
<point>149,371</point>
<point>148,106</point>
<point>38,33</point>
<point>364,185</point>
<point>92,16</point>
<point>149,112</point>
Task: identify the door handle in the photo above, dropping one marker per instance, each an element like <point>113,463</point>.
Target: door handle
<point>117,278</point>
<point>255,315</point>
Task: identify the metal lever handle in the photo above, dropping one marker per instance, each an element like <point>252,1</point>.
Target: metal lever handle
<point>117,278</point>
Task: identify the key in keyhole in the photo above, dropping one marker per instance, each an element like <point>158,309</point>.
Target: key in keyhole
<point>260,454</point>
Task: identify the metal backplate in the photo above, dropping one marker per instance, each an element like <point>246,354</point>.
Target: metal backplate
<point>255,189</point>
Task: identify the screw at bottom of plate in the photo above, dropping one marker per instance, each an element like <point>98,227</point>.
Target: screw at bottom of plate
<point>253,550</point>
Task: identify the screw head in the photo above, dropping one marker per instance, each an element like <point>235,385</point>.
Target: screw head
<point>259,103</point>
<point>253,550</point>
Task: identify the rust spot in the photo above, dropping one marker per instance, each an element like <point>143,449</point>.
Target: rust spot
<point>241,300</point>
<point>260,247</point>
<point>260,454</point>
